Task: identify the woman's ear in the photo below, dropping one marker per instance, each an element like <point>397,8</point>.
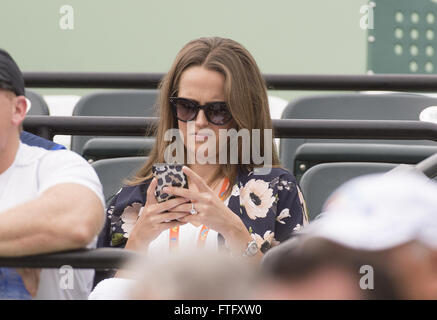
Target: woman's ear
<point>19,110</point>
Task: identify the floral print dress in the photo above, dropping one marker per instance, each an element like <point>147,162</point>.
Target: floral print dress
<point>270,205</point>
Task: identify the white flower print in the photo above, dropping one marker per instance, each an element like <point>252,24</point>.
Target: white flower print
<point>297,227</point>
<point>129,218</point>
<point>284,214</point>
<point>110,212</point>
<point>284,184</point>
<point>268,237</point>
<point>257,199</point>
<point>235,191</point>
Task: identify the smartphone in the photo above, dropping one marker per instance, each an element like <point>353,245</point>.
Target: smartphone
<point>168,175</point>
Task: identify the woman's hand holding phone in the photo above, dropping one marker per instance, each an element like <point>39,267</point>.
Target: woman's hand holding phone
<point>154,219</point>
<point>211,211</point>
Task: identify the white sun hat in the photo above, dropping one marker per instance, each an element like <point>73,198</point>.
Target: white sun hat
<point>380,211</point>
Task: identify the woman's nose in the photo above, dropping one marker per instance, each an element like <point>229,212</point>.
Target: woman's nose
<point>201,119</point>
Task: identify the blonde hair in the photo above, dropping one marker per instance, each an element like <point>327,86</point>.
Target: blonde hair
<point>245,92</point>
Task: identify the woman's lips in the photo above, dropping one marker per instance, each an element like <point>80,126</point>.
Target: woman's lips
<point>200,137</point>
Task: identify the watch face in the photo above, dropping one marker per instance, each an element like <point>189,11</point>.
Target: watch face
<point>253,248</point>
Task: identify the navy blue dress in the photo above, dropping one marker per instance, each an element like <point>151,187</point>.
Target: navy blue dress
<point>270,205</point>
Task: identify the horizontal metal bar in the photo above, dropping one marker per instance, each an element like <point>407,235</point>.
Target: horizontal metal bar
<point>92,125</point>
<point>99,259</point>
<point>92,80</point>
<point>379,82</point>
<point>283,128</point>
<point>355,129</point>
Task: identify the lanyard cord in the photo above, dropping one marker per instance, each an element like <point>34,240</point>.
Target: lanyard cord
<point>174,232</point>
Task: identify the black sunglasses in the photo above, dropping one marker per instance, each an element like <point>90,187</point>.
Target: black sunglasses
<point>186,110</point>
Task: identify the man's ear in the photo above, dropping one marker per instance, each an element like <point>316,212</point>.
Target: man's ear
<point>19,111</point>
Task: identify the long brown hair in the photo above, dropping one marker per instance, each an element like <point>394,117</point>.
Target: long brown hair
<point>245,92</point>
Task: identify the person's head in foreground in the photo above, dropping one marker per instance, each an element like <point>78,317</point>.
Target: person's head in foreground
<point>391,220</point>
<point>318,269</point>
<point>193,275</point>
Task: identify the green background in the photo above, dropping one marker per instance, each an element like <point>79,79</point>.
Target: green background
<point>284,36</point>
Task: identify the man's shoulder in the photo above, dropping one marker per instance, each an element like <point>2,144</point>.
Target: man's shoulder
<point>48,163</point>
<point>28,155</point>
<point>32,154</point>
<point>55,167</point>
<point>64,154</point>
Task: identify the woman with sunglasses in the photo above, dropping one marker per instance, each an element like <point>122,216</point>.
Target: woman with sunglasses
<point>214,84</point>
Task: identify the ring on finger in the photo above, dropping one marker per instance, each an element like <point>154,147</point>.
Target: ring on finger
<point>193,210</point>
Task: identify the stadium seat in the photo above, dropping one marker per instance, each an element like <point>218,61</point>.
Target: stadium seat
<point>360,106</point>
<point>321,180</point>
<point>113,172</point>
<point>124,103</point>
<point>310,154</point>
<point>38,105</point>
<point>403,37</point>
<point>101,148</point>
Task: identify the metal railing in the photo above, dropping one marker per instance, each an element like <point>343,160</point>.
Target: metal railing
<point>99,259</point>
<point>112,258</point>
<point>48,126</point>
<point>380,82</point>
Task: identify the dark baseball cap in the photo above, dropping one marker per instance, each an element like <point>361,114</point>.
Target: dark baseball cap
<point>11,77</point>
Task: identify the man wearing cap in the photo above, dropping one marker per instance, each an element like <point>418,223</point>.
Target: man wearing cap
<point>49,201</point>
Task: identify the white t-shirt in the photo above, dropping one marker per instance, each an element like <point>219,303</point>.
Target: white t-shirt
<point>33,171</point>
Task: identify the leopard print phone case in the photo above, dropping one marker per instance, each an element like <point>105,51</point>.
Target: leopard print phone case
<point>168,175</point>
